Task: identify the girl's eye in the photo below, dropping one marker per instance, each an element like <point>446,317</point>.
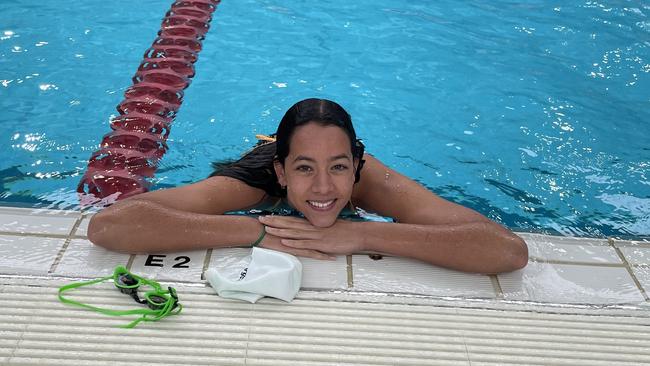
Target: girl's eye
<point>339,167</point>
<point>303,168</point>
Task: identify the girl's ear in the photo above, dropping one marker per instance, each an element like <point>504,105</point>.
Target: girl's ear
<point>279,172</point>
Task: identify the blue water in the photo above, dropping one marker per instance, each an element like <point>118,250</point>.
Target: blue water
<point>532,113</point>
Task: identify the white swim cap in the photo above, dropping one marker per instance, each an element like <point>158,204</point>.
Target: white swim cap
<point>263,273</point>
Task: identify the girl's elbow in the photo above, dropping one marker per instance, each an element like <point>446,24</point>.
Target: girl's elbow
<point>514,251</point>
<point>519,254</point>
<point>102,228</point>
<point>98,230</point>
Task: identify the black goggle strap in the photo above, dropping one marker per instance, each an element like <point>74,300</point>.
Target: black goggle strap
<point>156,311</point>
<point>359,151</point>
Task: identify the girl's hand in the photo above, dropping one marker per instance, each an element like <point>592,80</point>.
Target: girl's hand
<point>298,234</point>
<point>273,242</point>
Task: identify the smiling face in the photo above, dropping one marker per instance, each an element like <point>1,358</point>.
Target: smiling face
<point>318,172</point>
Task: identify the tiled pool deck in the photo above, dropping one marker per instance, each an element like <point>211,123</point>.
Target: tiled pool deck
<point>577,300</point>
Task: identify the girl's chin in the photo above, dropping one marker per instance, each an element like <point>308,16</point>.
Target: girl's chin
<point>322,221</point>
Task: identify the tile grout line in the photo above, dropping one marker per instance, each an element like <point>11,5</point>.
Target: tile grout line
<point>65,245</point>
<point>38,235</point>
<point>628,267</point>
<point>577,263</point>
<point>206,262</point>
<point>496,286</point>
<point>129,263</point>
<point>349,271</point>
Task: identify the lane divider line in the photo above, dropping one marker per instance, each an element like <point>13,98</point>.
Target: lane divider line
<point>128,155</point>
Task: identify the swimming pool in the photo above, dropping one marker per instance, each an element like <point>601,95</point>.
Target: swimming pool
<point>533,114</point>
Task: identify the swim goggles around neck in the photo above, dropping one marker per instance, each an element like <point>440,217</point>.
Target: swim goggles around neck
<point>161,302</point>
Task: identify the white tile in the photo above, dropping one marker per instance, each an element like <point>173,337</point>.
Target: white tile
<point>402,275</point>
<point>572,240</point>
<point>530,236</point>
<point>28,255</point>
<point>83,259</point>
<point>181,266</point>
<point>322,274</point>
<point>636,255</point>
<point>578,252</point>
<point>643,275</point>
<point>223,257</point>
<point>633,243</point>
<point>21,220</point>
<point>82,230</point>
<point>582,250</point>
<point>570,284</point>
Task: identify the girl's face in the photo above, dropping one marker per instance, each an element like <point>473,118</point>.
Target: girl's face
<point>318,172</point>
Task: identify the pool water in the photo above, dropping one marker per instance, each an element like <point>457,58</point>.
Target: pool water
<point>534,114</point>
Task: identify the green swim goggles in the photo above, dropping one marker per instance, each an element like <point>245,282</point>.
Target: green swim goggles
<point>161,302</point>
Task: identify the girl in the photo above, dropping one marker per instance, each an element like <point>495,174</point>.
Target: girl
<point>314,168</point>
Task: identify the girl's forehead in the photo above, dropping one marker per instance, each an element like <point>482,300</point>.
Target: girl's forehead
<point>312,132</point>
<point>323,141</point>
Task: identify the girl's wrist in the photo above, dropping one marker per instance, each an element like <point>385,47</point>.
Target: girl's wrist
<point>358,235</point>
<point>260,238</point>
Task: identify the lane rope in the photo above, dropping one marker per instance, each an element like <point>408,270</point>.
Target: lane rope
<point>128,155</point>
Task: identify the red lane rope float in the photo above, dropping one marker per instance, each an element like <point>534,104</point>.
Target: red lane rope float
<point>130,152</point>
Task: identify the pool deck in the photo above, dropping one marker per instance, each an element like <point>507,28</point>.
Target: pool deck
<point>580,301</point>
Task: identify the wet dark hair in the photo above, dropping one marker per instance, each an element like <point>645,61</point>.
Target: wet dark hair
<point>255,167</point>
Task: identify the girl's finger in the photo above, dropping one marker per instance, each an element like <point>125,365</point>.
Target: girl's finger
<point>304,245</point>
<point>303,252</point>
<point>300,244</point>
<point>311,254</point>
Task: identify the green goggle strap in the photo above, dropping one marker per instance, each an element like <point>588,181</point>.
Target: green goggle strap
<point>147,314</point>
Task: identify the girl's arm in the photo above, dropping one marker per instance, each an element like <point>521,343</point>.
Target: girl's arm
<point>184,218</point>
<point>471,247</point>
<point>431,228</point>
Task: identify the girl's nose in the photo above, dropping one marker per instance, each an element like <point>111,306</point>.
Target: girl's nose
<point>322,183</point>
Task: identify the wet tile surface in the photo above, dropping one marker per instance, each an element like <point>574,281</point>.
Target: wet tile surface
<point>633,243</point>
<point>82,230</point>
<point>227,256</point>
<point>636,255</point>
<point>570,284</point>
<point>83,259</point>
<point>181,266</point>
<point>28,255</point>
<point>19,220</point>
<point>320,274</point>
<point>643,275</point>
<point>400,275</point>
<point>571,249</point>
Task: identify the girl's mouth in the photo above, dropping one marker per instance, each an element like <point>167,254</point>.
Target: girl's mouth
<point>322,205</point>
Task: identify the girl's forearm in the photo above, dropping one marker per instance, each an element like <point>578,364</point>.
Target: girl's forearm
<point>138,226</point>
<point>482,247</point>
